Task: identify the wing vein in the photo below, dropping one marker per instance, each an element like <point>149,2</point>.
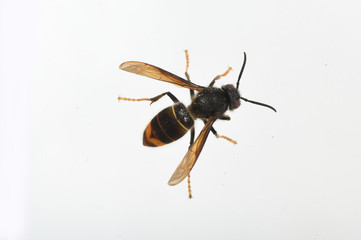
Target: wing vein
<point>157,73</point>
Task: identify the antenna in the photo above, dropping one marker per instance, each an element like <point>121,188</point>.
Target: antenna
<point>245,99</point>
<point>258,103</point>
<point>240,74</point>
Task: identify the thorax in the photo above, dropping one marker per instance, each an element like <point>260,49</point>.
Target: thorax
<point>210,102</point>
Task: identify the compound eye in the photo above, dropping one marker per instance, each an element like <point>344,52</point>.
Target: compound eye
<point>236,104</point>
<point>233,96</point>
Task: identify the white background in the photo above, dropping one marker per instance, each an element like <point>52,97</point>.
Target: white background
<point>72,163</point>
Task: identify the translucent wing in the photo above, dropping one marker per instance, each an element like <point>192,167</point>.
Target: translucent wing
<point>157,73</point>
<point>192,155</point>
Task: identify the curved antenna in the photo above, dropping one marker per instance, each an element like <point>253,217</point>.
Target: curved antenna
<point>245,99</point>
<point>258,103</point>
<point>240,74</point>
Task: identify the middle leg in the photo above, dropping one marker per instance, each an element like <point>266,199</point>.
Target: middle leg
<point>153,99</point>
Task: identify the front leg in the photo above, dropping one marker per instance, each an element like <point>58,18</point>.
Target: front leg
<point>225,117</point>
<point>219,76</point>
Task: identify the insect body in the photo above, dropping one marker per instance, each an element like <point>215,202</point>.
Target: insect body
<point>209,104</point>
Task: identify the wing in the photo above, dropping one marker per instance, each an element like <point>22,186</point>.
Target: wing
<point>192,155</point>
<point>157,73</point>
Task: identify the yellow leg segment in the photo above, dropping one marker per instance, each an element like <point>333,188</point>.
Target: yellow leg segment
<point>189,187</point>
<point>227,138</point>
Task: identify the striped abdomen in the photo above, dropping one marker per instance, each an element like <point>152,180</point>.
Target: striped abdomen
<point>167,126</point>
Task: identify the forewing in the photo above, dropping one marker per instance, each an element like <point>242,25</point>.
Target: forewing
<point>157,73</point>
<point>192,155</point>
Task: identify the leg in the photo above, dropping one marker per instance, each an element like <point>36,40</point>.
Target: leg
<point>189,175</point>
<point>187,75</point>
<point>220,136</point>
<point>219,76</point>
<point>192,136</point>
<point>152,100</point>
<point>189,186</point>
<point>225,117</point>
<point>191,91</point>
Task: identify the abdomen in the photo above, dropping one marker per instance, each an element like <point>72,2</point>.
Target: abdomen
<point>167,126</point>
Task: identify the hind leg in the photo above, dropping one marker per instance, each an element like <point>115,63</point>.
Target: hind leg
<point>191,91</point>
<point>221,136</point>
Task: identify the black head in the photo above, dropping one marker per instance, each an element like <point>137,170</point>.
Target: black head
<point>233,94</point>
